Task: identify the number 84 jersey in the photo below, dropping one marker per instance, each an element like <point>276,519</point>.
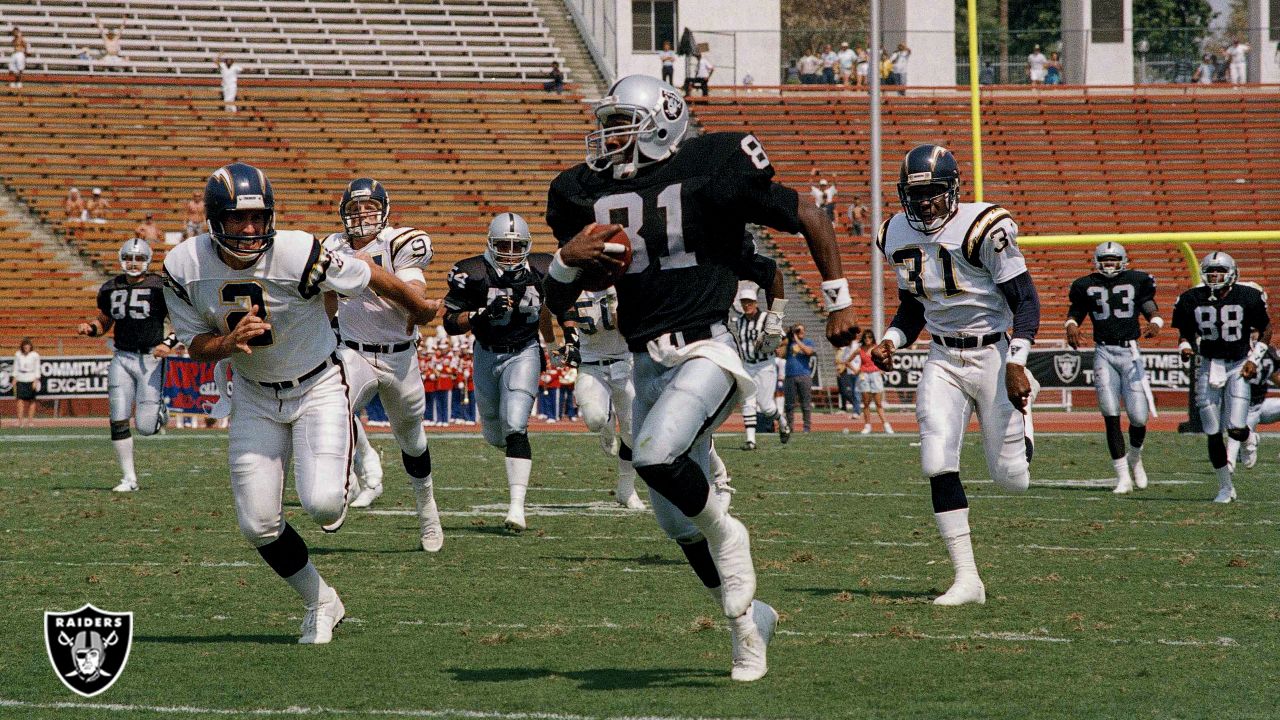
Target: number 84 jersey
<point>955,271</point>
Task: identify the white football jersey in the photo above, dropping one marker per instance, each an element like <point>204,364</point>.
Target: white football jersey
<point>367,318</point>
<point>955,272</point>
<point>597,321</point>
<point>204,295</point>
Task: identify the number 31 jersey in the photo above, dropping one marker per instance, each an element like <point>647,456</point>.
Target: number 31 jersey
<point>1113,303</point>
<point>1221,324</point>
<point>685,216</point>
<point>955,271</point>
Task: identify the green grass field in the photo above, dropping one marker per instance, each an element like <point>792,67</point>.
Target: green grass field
<point>1157,605</point>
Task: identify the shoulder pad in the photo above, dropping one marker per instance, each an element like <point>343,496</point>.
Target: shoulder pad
<point>977,232</point>
<point>882,233</point>
<point>402,238</point>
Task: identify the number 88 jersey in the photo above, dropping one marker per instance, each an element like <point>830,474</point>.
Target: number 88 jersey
<point>1221,322</point>
<point>686,217</point>
<point>1113,303</point>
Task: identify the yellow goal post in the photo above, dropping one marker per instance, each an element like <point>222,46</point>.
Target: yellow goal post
<point>1181,240</point>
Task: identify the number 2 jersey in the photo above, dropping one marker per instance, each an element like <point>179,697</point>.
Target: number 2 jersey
<point>1113,303</point>
<point>686,217</point>
<point>367,318</point>
<point>205,295</point>
<point>474,282</point>
<point>954,272</point>
<point>1221,324</point>
<point>137,309</point>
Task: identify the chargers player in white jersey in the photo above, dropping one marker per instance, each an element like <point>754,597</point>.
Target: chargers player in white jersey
<point>603,390</point>
<point>386,336</point>
<point>960,274</point>
<point>250,293</point>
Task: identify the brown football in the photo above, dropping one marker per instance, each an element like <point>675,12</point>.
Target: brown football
<point>615,236</point>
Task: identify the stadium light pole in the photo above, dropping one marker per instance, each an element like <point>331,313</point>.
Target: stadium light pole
<point>877,276</point>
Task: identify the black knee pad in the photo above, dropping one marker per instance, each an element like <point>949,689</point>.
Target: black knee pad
<point>698,553</point>
<point>1238,434</point>
<point>1217,451</point>
<point>1137,435</point>
<point>287,554</point>
<point>682,482</point>
<point>518,446</point>
<point>417,467</point>
<point>624,452</point>
<point>948,493</point>
<point>120,430</point>
<point>1115,438</point>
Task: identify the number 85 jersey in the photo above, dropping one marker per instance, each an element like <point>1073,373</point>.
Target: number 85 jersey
<point>685,216</point>
<point>954,272</point>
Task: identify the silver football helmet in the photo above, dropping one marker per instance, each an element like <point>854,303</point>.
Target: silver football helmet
<point>1218,271</point>
<point>642,121</point>
<point>509,241</point>
<point>135,256</point>
<point>1110,258</point>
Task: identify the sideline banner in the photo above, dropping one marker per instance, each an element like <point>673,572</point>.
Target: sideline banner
<point>1056,369</point>
<point>63,377</point>
<point>189,386</point>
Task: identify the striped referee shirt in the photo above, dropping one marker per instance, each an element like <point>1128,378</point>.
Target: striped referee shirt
<point>748,332</point>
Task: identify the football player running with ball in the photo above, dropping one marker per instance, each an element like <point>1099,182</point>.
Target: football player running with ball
<point>683,203</point>
<point>961,276</point>
<point>133,304</point>
<point>253,294</point>
<point>498,296</point>
<point>1214,321</point>
<point>1114,296</point>
<point>385,335</point>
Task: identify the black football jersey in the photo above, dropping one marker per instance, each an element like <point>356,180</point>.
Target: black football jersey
<point>1259,383</point>
<point>137,309</point>
<point>755,267</point>
<point>474,283</point>
<point>1113,303</point>
<point>1221,325</point>
<point>686,217</point>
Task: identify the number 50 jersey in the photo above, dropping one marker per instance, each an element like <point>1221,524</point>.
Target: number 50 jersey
<point>685,216</point>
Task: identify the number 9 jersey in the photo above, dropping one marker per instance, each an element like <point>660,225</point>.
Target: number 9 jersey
<point>685,216</point>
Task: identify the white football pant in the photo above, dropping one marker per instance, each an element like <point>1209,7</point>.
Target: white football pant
<point>398,382</point>
<point>1117,375</point>
<point>135,387</point>
<point>1221,394</point>
<point>765,401</point>
<point>605,390</point>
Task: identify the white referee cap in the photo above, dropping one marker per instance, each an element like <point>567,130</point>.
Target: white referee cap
<point>748,293</point>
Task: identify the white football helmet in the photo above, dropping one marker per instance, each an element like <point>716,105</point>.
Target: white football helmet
<point>1218,271</point>
<point>642,121</point>
<point>509,241</point>
<point>135,257</point>
<point>1110,258</point>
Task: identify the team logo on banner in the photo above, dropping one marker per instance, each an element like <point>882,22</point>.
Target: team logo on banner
<point>1067,367</point>
<point>88,647</point>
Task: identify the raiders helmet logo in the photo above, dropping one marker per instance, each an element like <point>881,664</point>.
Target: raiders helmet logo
<point>1067,367</point>
<point>88,648</point>
<point>672,107</point>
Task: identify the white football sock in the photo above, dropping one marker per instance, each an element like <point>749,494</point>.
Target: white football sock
<point>367,459</point>
<point>751,433</point>
<point>626,480</point>
<point>518,470</point>
<point>718,470</point>
<point>953,526</point>
<point>1233,452</point>
<point>1224,476</point>
<point>124,453</point>
<point>307,583</point>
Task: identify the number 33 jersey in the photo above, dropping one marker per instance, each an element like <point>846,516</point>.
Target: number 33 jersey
<point>1113,303</point>
<point>1220,322</point>
<point>955,271</point>
<point>685,216</point>
<point>204,295</point>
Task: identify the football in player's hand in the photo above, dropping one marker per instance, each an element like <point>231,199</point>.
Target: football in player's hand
<point>616,244</point>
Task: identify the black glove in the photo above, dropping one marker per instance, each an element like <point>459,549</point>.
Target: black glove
<point>494,312</point>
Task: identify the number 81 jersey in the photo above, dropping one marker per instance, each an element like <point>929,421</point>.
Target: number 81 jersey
<point>685,216</point>
<point>955,271</point>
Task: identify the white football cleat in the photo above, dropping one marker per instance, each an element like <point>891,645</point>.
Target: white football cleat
<point>888,429</point>
<point>432,532</point>
<point>1225,494</point>
<point>1139,473</point>
<point>515,520</point>
<point>126,485</point>
<point>1124,481</point>
<point>963,592</point>
<point>632,503</point>
<point>366,496</point>
<point>750,643</point>
<point>1249,451</point>
<point>318,625</point>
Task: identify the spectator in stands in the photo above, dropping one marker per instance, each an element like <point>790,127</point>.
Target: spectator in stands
<point>870,384</point>
<point>1053,70</point>
<point>230,83</point>
<point>195,214</point>
<point>26,381</point>
<point>148,230</point>
<point>987,75</point>
<point>863,65</point>
<point>18,58</point>
<point>798,383</point>
<point>668,59</point>
<point>809,65</point>
<point>846,58</point>
<point>857,218</point>
<point>1238,56</point>
<point>98,207</point>
<point>74,207</point>
<point>701,76</point>
<point>898,61</point>
<point>1036,63</point>
<point>1204,74</point>
<point>111,43</point>
<point>886,68</point>
<point>846,379</point>
<point>829,62</point>
<point>555,79</point>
